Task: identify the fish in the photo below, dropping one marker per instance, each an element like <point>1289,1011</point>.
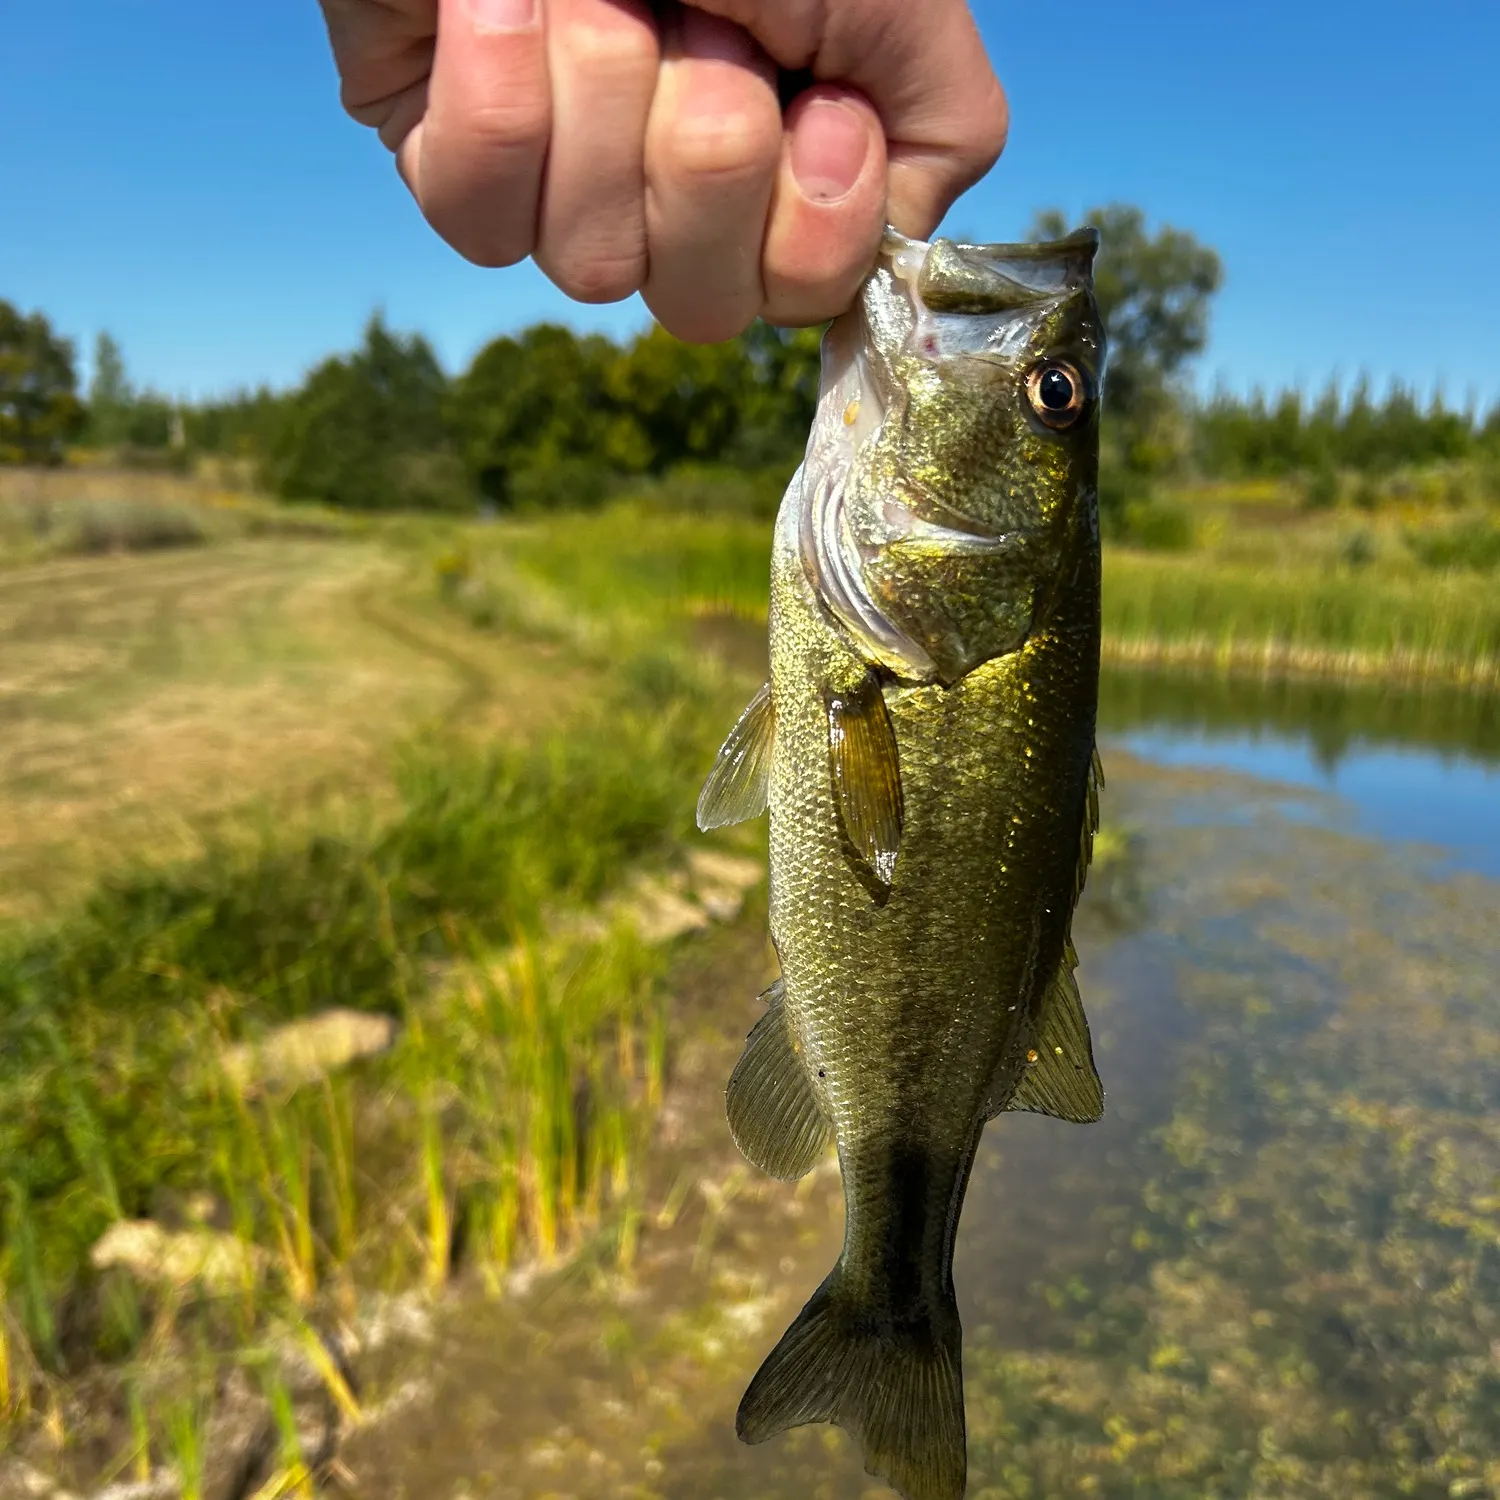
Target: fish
<point>925,746</point>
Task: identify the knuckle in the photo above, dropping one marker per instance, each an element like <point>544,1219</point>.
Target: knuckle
<point>988,127</point>
<point>604,277</point>
<point>608,53</point>
<point>727,148</point>
<point>482,240</point>
<point>521,125</point>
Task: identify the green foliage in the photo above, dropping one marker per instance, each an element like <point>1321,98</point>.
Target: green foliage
<point>1203,612</point>
<point>39,407</point>
<point>110,395</point>
<point>367,431</point>
<point>1158,526</point>
<point>1258,436</point>
<point>1472,544</point>
<point>533,402</point>
<point>163,965</point>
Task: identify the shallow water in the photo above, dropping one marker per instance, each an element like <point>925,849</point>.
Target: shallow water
<point>1273,1269</point>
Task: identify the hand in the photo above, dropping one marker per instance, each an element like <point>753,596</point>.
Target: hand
<point>632,147</point>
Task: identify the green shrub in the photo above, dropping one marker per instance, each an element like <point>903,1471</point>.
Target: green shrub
<point>1473,544</point>
<point>1158,526</point>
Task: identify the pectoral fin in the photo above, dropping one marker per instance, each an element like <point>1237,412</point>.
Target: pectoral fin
<point>1061,1081</point>
<point>738,787</point>
<point>774,1117</point>
<point>866,775</point>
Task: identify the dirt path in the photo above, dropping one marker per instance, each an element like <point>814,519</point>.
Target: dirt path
<point>141,694</point>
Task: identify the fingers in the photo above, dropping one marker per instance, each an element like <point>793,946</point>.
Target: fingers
<point>944,112</point>
<point>922,66</point>
<point>828,211</point>
<point>713,144</point>
<point>475,160</point>
<point>603,57</point>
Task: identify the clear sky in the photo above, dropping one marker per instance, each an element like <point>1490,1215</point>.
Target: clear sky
<point>179,172</point>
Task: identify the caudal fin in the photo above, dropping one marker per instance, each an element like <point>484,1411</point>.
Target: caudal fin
<point>895,1385</point>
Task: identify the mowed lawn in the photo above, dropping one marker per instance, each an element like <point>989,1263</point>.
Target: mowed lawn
<point>142,694</point>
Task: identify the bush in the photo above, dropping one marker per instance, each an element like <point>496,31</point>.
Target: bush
<point>1158,526</point>
<point>1320,488</point>
<point>566,484</point>
<point>1473,545</point>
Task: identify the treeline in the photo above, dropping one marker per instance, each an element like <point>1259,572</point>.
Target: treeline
<point>1291,433</point>
<point>546,417</point>
<point>552,418</point>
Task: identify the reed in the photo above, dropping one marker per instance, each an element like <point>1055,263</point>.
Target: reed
<point>1194,611</point>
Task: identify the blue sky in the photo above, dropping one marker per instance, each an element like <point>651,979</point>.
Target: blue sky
<point>179,172</point>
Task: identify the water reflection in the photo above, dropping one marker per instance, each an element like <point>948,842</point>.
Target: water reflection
<point>1412,766</point>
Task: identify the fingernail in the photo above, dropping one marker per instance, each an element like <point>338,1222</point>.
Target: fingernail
<point>502,15</point>
<point>829,146</point>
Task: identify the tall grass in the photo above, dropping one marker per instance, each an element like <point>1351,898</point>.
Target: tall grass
<point>513,1099</point>
<point>1195,611</point>
<point>1192,609</point>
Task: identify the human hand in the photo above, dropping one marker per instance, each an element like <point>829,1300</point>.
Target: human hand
<point>638,147</point>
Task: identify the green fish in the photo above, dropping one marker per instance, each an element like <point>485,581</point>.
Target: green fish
<point>926,748</point>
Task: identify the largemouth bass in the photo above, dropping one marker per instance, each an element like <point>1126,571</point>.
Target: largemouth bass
<point>926,748</point>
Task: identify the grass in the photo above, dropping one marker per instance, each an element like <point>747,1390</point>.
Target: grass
<point>1314,596</point>
<point>505,1123</point>
<point>1197,611</point>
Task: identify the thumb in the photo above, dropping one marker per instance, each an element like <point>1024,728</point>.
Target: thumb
<point>922,66</point>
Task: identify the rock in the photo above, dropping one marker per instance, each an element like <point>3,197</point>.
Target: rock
<point>219,1262</point>
<point>310,1049</point>
<point>660,912</point>
<point>721,881</point>
<point>20,1482</point>
<point>162,1485</point>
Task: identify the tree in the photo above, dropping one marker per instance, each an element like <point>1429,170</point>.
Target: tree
<point>685,401</point>
<point>39,406</point>
<point>1154,292</point>
<point>539,401</point>
<point>785,367</point>
<point>367,431</point>
<point>111,398</point>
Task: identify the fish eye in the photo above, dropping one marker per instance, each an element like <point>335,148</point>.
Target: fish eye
<point>1058,393</point>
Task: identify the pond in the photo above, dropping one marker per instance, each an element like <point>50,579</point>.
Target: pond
<point>1273,1269</point>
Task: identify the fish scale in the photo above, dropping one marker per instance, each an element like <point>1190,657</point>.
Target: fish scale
<point>926,750</point>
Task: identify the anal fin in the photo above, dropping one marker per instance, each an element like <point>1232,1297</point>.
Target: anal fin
<point>738,786</point>
<point>1061,1080</point>
<point>774,1116</point>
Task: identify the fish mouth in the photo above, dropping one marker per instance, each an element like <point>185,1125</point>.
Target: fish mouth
<point>934,300</point>
<point>982,300</point>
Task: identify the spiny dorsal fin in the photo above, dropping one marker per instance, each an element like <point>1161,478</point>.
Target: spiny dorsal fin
<point>866,775</point>
<point>1062,1082</point>
<point>773,1115</point>
<point>738,787</point>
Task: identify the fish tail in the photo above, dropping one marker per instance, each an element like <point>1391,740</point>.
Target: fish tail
<point>894,1384</point>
